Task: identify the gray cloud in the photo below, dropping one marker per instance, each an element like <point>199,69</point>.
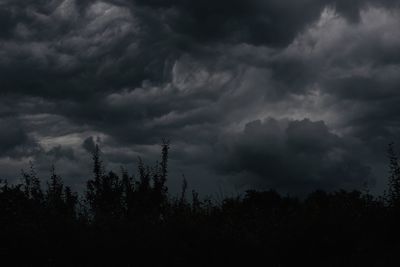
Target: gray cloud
<point>89,144</point>
<point>294,155</point>
<point>132,72</point>
<point>14,141</point>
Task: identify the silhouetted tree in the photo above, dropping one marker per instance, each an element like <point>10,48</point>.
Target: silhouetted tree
<point>55,192</point>
<point>394,178</point>
<point>144,176</point>
<point>104,192</point>
<point>32,187</point>
<point>183,191</point>
<point>71,202</point>
<point>122,214</point>
<point>164,163</point>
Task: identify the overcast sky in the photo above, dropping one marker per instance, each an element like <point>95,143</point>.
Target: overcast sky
<point>294,95</point>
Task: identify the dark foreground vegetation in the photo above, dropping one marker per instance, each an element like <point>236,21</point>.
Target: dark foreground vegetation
<point>125,220</point>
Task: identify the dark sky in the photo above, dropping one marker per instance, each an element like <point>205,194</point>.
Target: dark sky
<point>295,95</point>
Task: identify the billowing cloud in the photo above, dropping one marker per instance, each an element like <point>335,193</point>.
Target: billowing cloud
<point>242,88</point>
<point>293,155</point>
<point>14,140</point>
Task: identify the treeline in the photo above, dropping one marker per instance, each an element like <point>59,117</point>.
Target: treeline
<point>131,220</point>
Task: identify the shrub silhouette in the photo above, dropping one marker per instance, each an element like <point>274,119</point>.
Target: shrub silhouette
<point>127,220</point>
<point>394,178</point>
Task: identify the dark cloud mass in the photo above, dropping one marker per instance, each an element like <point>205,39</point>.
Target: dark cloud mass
<point>294,155</point>
<point>15,142</point>
<point>295,94</point>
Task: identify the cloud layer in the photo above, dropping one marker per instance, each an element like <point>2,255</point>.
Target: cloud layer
<point>296,95</point>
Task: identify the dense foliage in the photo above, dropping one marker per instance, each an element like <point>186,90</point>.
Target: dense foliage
<point>127,220</point>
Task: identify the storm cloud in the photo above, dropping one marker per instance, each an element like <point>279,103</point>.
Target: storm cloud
<point>294,155</point>
<point>295,95</point>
